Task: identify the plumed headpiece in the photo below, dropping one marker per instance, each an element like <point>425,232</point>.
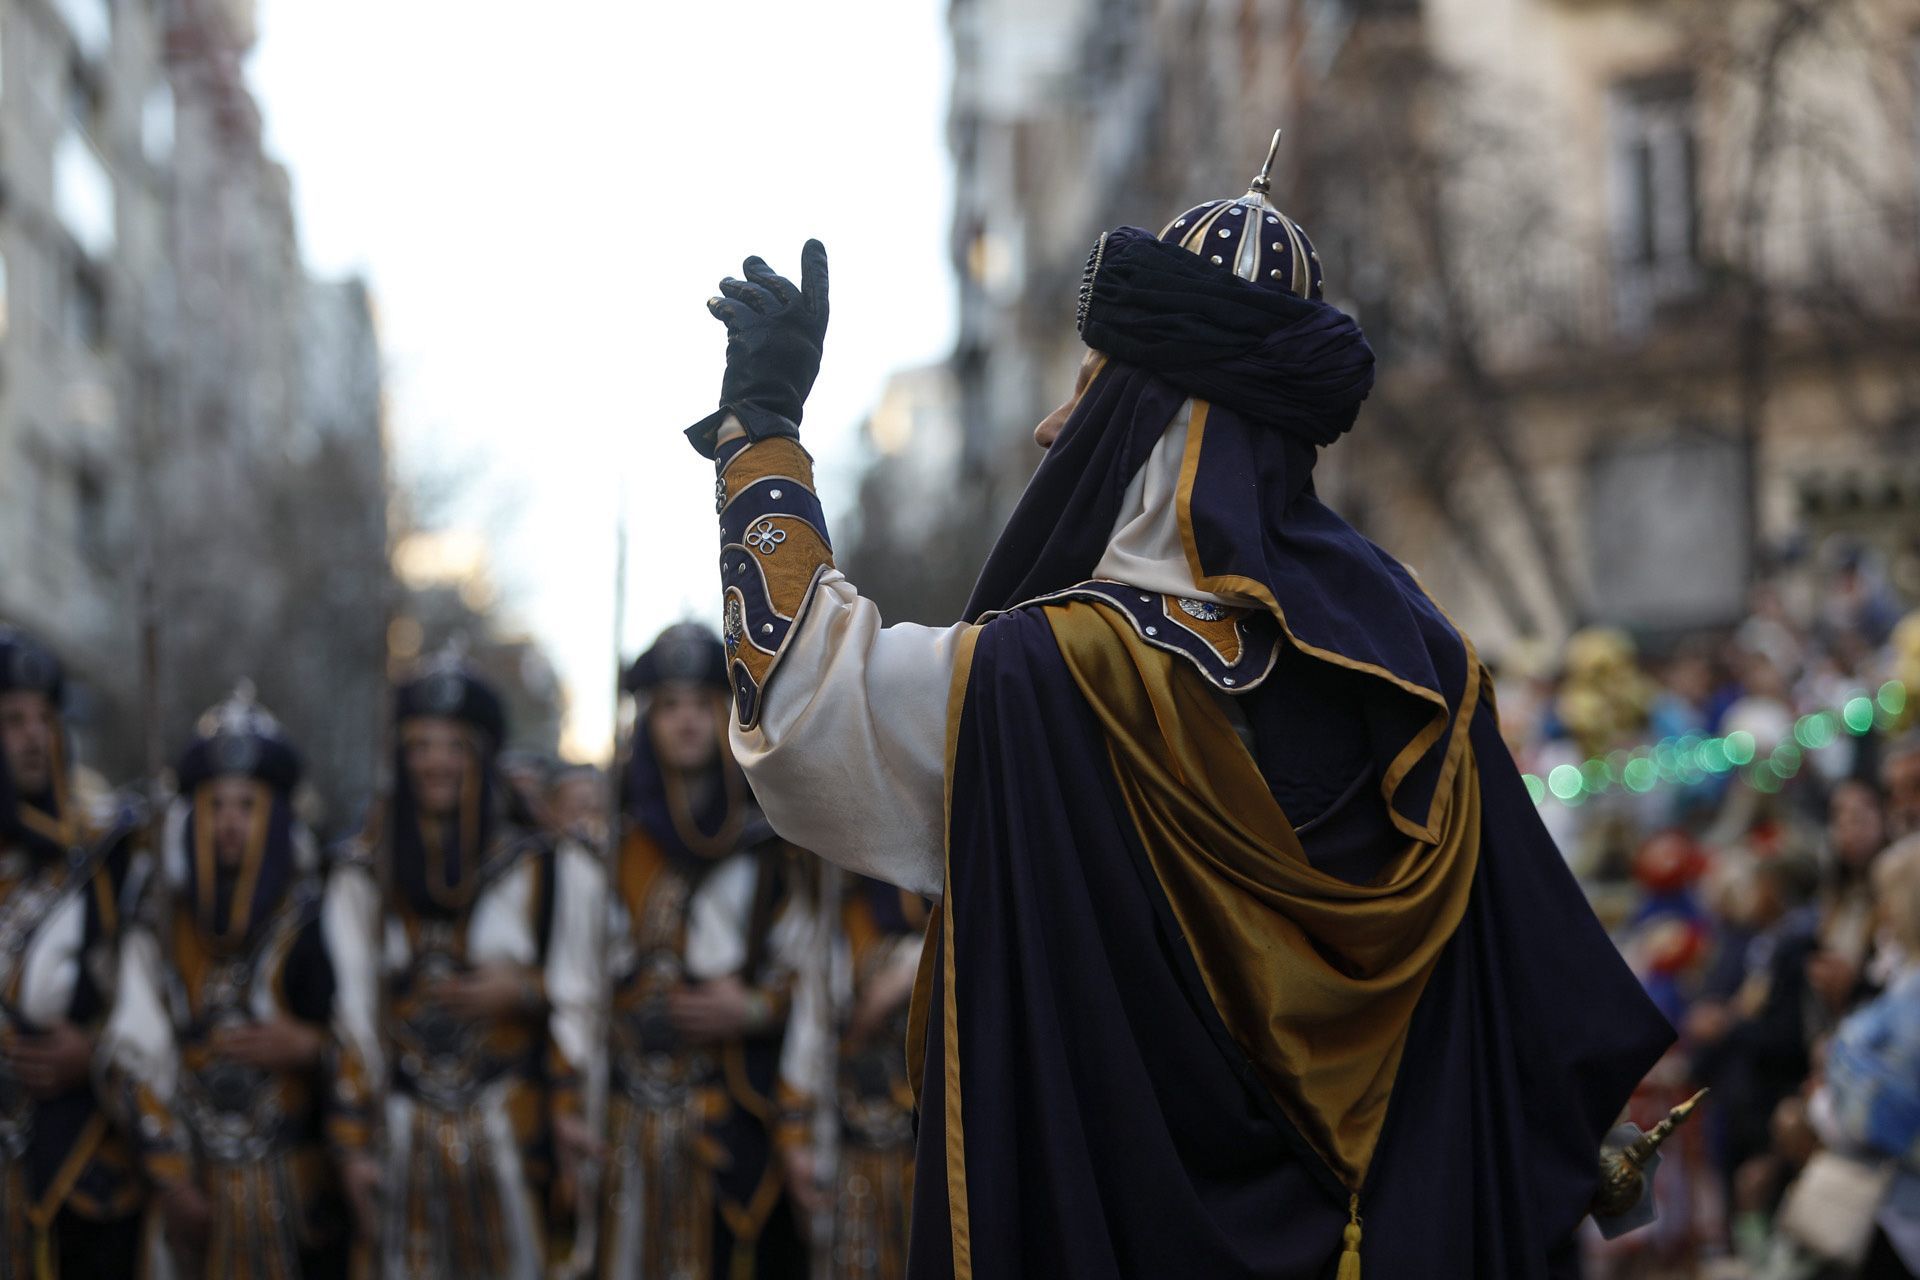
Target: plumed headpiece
<point>240,738</point>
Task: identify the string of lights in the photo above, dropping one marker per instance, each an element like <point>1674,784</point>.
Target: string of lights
<point>1691,759</point>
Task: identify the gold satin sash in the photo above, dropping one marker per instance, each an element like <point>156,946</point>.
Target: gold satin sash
<point>1316,979</point>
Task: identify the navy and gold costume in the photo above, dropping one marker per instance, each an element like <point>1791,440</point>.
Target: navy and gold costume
<point>703,892</point>
<point>464,1136</point>
<point>1252,957</point>
<point>847,1043</point>
<point>69,1195</point>
<point>223,947</point>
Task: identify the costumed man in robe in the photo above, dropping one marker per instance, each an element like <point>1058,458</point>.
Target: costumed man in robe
<point>1252,956</point>
<point>70,1201</point>
<point>221,1039</point>
<point>846,1047</point>
<point>709,926</point>
<point>463,945</point>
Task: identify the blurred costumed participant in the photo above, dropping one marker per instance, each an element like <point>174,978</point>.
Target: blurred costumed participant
<point>220,1043</point>
<point>1252,952</point>
<point>69,1199</point>
<point>707,934</point>
<point>849,1024</point>
<point>464,944</point>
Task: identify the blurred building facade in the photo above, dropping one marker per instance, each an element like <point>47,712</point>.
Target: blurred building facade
<point>1642,276</point>
<point>186,417</point>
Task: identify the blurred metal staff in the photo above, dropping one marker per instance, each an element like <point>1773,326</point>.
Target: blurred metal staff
<point>584,1151</point>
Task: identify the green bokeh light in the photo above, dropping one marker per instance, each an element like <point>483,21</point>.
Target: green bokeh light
<point>1815,731</point>
<point>1858,714</point>
<point>1690,759</point>
<point>1564,781</point>
<point>1893,697</point>
<point>1786,760</point>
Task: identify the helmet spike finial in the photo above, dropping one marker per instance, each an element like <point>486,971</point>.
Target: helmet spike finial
<point>1262,183</point>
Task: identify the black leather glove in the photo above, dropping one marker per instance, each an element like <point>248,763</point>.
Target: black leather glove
<point>775,333</point>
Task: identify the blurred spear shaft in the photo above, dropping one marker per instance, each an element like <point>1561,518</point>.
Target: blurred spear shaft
<point>587,1238</point>
<point>153,734</point>
<point>826,1118</point>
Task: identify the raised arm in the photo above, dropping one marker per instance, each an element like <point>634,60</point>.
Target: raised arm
<point>839,721</point>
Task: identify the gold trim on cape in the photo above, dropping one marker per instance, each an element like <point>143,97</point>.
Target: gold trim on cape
<point>1231,584</point>
<point>1316,979</point>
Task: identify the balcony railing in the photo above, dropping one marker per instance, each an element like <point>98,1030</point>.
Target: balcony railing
<point>1572,297</point>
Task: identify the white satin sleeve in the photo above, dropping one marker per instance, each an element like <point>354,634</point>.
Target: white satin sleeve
<point>137,1042</point>
<point>849,758</point>
<point>350,925</point>
<point>803,1054</point>
<point>573,974</point>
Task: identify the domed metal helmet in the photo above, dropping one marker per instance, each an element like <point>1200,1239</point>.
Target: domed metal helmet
<point>239,737</point>
<point>685,653</point>
<point>447,686</point>
<point>26,664</point>
<point>1249,236</point>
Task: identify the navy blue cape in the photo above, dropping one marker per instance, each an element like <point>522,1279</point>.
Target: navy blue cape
<point>1112,1127</point>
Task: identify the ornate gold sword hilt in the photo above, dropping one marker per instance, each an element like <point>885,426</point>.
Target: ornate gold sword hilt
<point>1623,1174</point>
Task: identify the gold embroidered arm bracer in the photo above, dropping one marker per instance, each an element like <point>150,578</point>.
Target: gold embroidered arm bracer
<point>773,551</point>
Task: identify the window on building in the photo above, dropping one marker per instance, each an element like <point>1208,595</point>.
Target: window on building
<point>1913,84</point>
<point>1656,205</point>
<point>90,514</point>
<point>91,22</point>
<point>1664,518</point>
<point>83,193</point>
<point>83,97</point>
<point>86,306</point>
<point>156,125</point>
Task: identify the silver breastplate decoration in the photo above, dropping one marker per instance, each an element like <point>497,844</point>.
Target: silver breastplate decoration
<point>443,1060</point>
<point>652,1065</point>
<point>233,1110</point>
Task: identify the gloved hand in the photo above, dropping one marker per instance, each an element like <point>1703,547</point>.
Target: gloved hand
<point>775,333</point>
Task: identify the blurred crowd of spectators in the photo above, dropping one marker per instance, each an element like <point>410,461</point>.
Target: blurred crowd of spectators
<point>1744,810</point>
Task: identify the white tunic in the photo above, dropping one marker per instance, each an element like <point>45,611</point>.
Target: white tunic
<point>850,756</point>
<point>499,930</point>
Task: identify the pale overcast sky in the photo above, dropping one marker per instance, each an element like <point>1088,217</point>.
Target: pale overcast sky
<point>542,197</point>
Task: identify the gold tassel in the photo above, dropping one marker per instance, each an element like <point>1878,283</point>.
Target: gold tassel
<point>1350,1256</point>
<point>43,1266</point>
